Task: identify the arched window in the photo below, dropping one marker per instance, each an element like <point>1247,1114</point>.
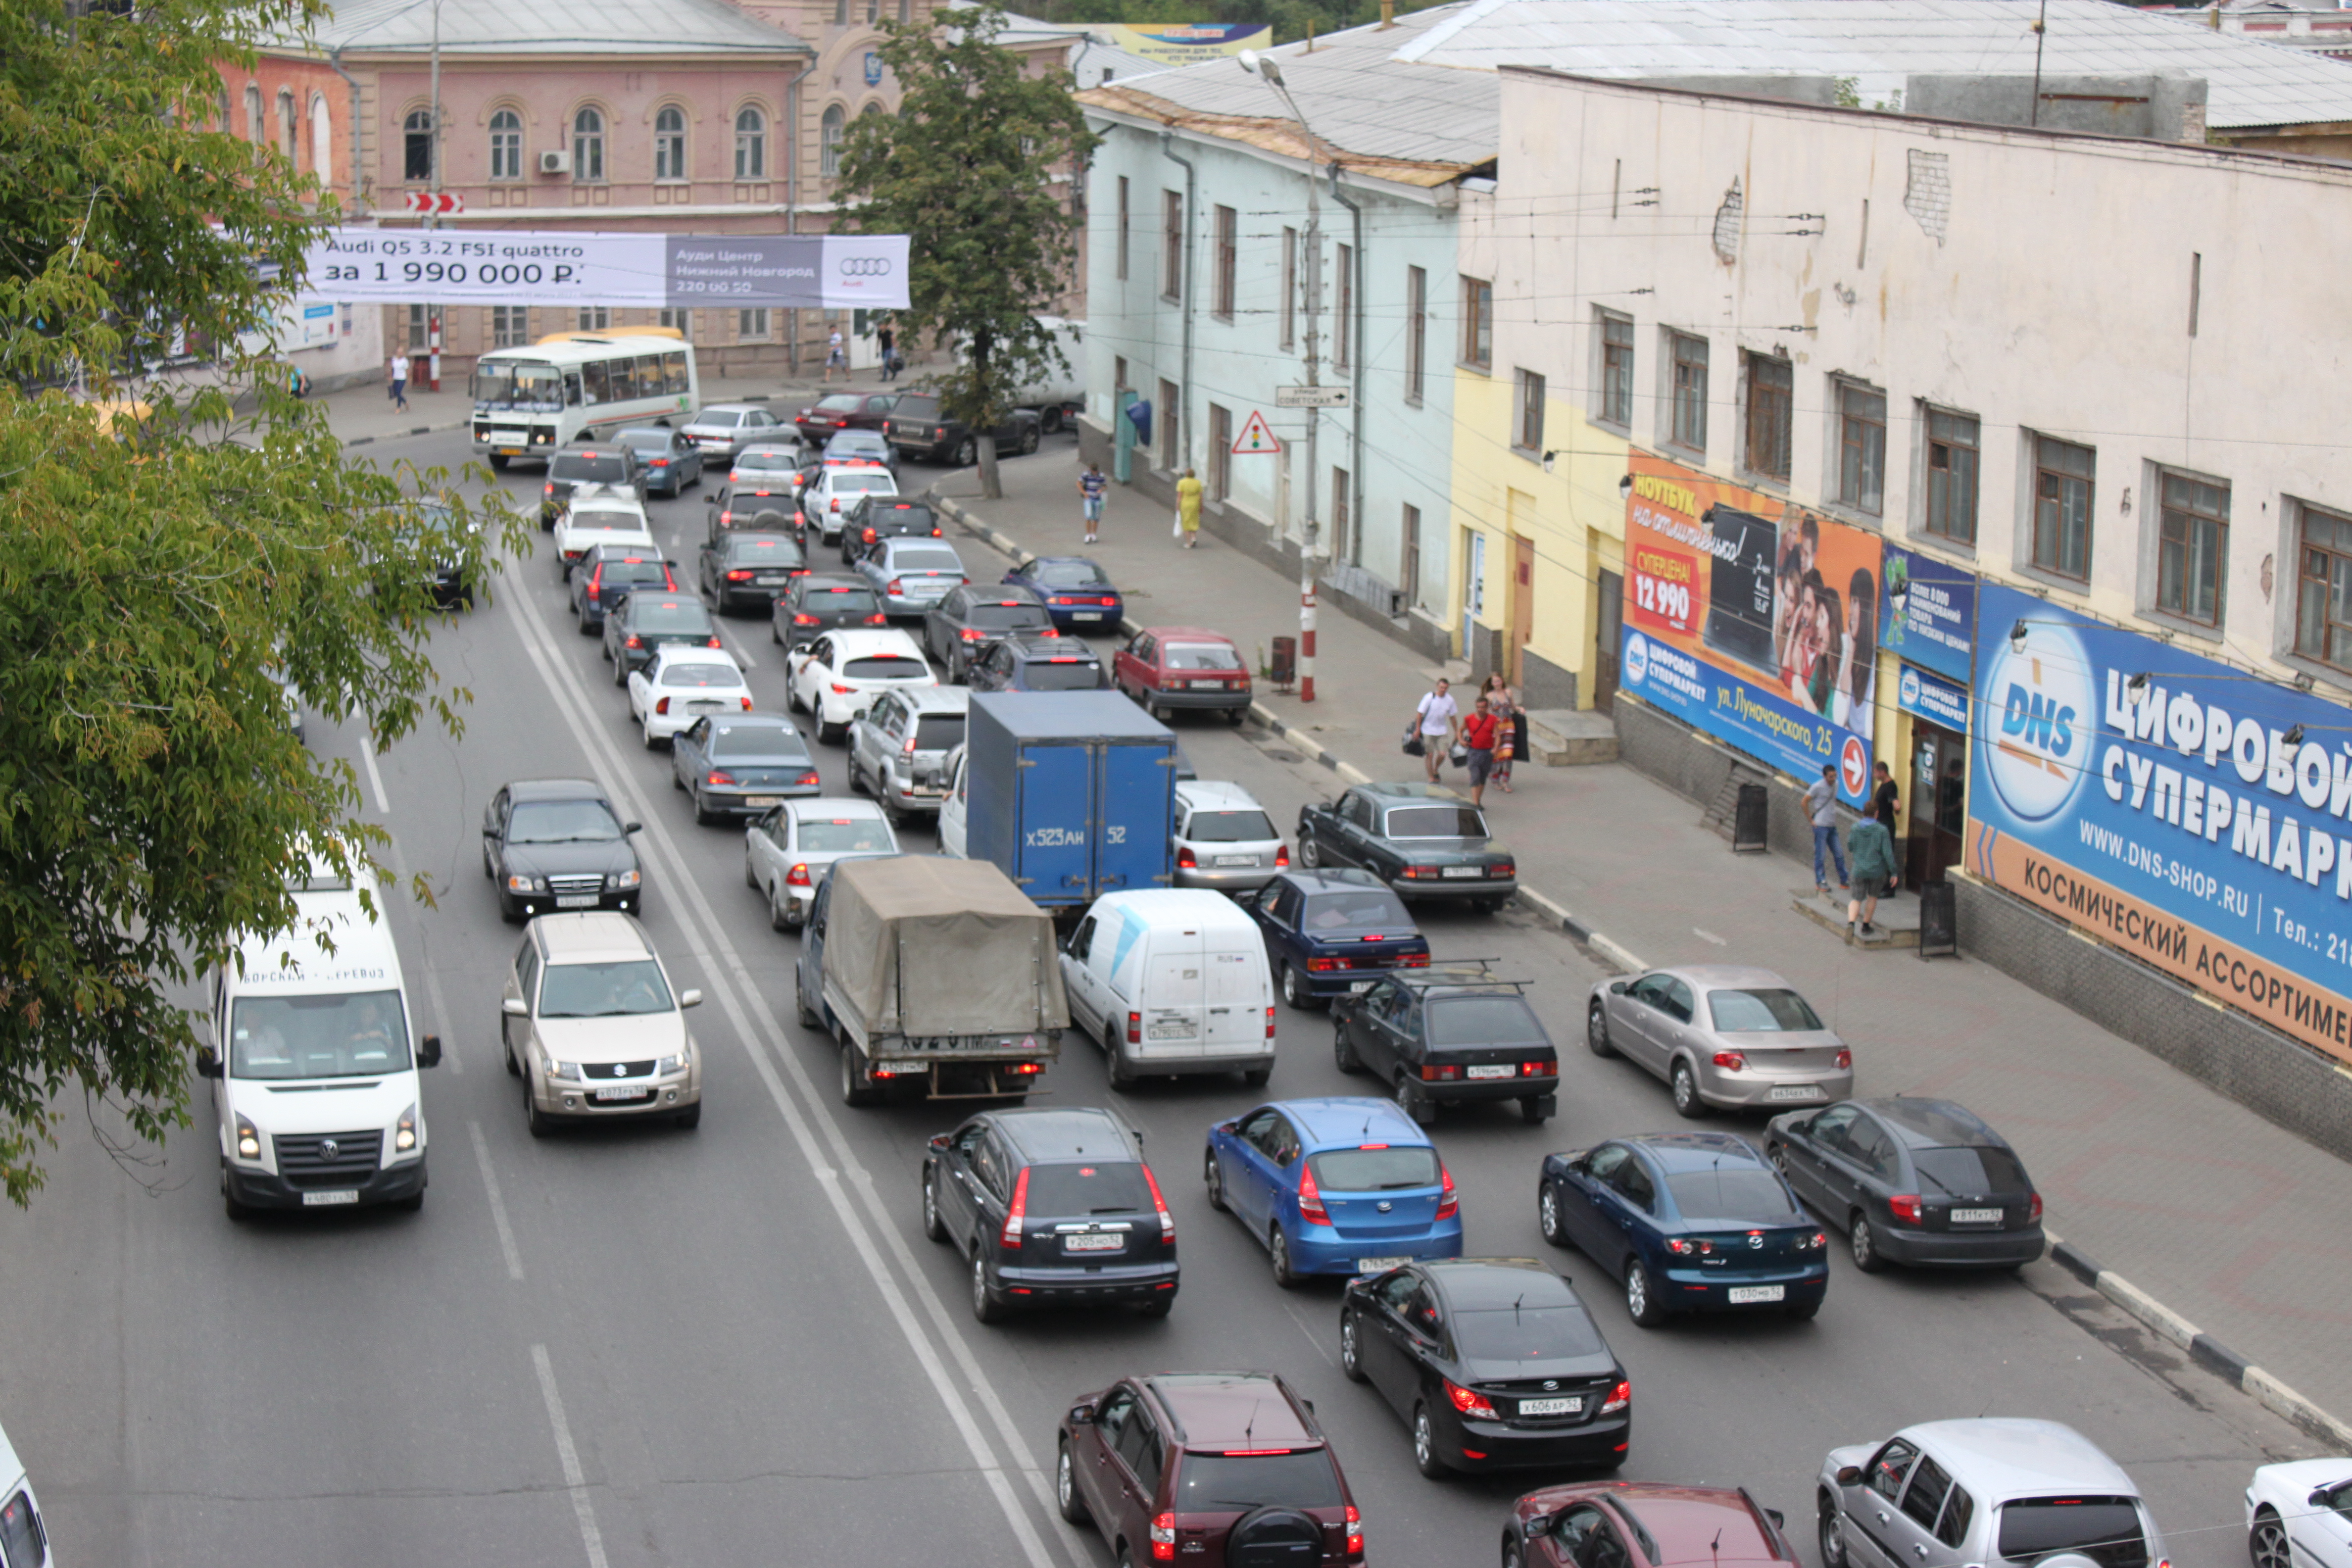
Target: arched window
<point>417,146</point>
<point>751,145</point>
<point>506,145</point>
<point>255,131</point>
<point>669,143</point>
<point>288,141</point>
<point>227,114</point>
<point>588,145</point>
<point>873,12</point>
<point>830,128</point>
<point>323,139</point>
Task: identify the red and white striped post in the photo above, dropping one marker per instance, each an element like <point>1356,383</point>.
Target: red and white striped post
<point>1305,627</point>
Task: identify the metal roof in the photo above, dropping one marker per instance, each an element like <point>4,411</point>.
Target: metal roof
<point>2249,82</point>
<point>1094,58</point>
<point>631,27</point>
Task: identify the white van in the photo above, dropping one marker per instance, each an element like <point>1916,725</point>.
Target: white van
<point>23,1539</point>
<point>1173,980</point>
<point>314,1083</point>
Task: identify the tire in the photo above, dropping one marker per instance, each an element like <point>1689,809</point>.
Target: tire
<point>580,623</point>
<point>792,697</point>
<point>1687,1104</point>
<point>985,1307</point>
<point>1779,1154</point>
<point>412,1204</point>
<point>1829,1535</point>
<point>808,1019</point>
<point>1067,1500</point>
<point>703,816</point>
<point>1350,1355</point>
<point>646,733</point>
<point>538,1121</point>
<point>514,1069</point>
<point>1642,1303</point>
<point>751,877</point>
<point>1806,1311</point>
<point>1532,1112</point>
<point>852,1092</point>
<point>1050,419</point>
<point>779,910</point>
<point>1028,440</point>
<point>967,453</point>
<point>1310,854</point>
<point>1862,1245</point>
<point>933,1226</point>
<point>620,671</point>
<point>1514,1555</point>
<point>690,1118</point>
<point>1547,1215</point>
<point>1115,1067</point>
<point>675,782</point>
<point>1234,716</point>
<point>1596,1029</point>
<point>1343,1055</point>
<point>1294,991</point>
<point>498,461</point>
<point>2266,1543</point>
<point>830,734</point>
<point>238,1212</point>
<point>1277,1248</point>
<point>1212,1178</point>
<point>1425,1458</point>
<point>1413,1103</point>
<point>774,635</point>
<point>1256,1077</point>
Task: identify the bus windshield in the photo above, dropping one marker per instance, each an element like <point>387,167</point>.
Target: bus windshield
<point>516,384</point>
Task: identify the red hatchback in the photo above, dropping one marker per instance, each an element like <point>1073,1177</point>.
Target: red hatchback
<point>1173,668</point>
<point>1212,1469</point>
<point>1643,1524</point>
<point>839,411</point>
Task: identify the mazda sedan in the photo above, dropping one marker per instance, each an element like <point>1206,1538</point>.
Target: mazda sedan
<point>1722,1037</point>
<point>1911,1180</point>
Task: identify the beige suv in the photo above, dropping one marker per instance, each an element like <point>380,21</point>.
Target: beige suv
<point>591,1025</point>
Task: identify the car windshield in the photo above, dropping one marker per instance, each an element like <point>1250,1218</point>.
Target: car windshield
<point>842,401</point>
<point>1110,1187</point>
<point>625,987</point>
<point>717,418</point>
<point>1230,828</point>
<point>583,468</point>
<point>644,440</point>
<point>999,616</point>
<point>1973,1170</point>
<point>1483,1021</point>
<point>858,441</point>
<point>702,672</point>
<point>1761,1013</point>
<point>843,835</point>
<point>938,732</point>
<point>885,666</point>
<point>631,573</point>
<point>562,822</point>
<point>2104,1529</point>
<point>861,481</point>
<point>1069,575</point>
<point>756,550</point>
<point>1200,655</point>
<point>668,615</point>
<point>1740,1193</point>
<point>1436,822</point>
<point>1229,1483</point>
<point>1061,675</point>
<point>348,1034</point>
<point>1554,1333</point>
<point>904,518</point>
<point>505,382</point>
<point>734,742</point>
<point>840,600</point>
<point>1374,908</point>
<point>921,558</point>
<point>766,462</point>
<point>1380,1170</point>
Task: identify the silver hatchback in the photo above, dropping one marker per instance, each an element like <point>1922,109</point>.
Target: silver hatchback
<point>1224,839</point>
<point>1721,1036</point>
<point>898,748</point>
<point>909,576</point>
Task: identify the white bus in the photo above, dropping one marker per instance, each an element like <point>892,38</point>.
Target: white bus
<point>529,401</point>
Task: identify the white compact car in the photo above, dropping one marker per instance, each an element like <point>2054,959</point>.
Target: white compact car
<point>826,500</point>
<point>837,676</point>
<point>23,1539</point>
<point>600,514</point>
<point>787,851</point>
<point>683,683</point>
<point>2299,1515</point>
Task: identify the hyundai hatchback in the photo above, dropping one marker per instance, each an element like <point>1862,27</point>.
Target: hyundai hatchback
<point>1334,1186</point>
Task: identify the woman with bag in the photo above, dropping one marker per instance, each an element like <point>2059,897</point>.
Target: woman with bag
<point>1188,509</point>
<point>1512,722</point>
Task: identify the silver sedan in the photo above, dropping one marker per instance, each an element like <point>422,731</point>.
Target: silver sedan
<point>1722,1036</point>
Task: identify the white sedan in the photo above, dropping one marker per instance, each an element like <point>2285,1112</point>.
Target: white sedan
<point>2299,1514</point>
<point>787,851</point>
<point>838,676</point>
<point>681,685</point>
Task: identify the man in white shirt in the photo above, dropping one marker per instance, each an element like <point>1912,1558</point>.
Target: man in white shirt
<point>399,381</point>
<point>836,356</point>
<point>1436,717</point>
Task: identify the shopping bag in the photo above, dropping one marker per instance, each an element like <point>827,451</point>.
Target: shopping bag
<point>1177,530</point>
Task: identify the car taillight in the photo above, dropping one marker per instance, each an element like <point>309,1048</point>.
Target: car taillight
<point>1135,1028</point>
<point>747,705</point>
<point>1059,599</point>
<point>1844,1061</point>
<point>1167,1220</point>
<point>738,575</point>
<point>1470,1402</point>
<point>1731,1060</point>
<point>1619,1397</point>
<point>1269,1023</point>
<point>714,641</point>
<point>1163,1538</point>
<point>1537,1069</point>
<point>908,749</point>
<point>634,641</point>
<point>867,536</point>
<point>1683,1247</point>
<point>798,877</point>
<point>1505,869</point>
<point>1435,1073</point>
<point>1413,960</point>
<point>2033,1208</point>
<point>1311,1200</point>
<point>841,690</point>
<point>896,588</point>
<point>1813,1243</point>
<point>1188,861</point>
<point>1325,966</point>
<point>836,504</point>
<point>1282,856</point>
<point>877,620</point>
<point>727,518</point>
<point>1449,1202</point>
<point>1356,1532</point>
<point>974,634</point>
<point>802,618</point>
<point>662,706</point>
<point>716,778</point>
<point>1905,1206</point>
<point>550,488</point>
<point>659,463</point>
<point>1010,1236</point>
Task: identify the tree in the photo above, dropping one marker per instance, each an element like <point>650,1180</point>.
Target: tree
<point>169,560</point>
<point>965,168</point>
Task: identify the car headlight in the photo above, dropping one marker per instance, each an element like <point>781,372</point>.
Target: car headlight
<point>568,1071</point>
<point>526,884</point>
<point>678,1062</point>
<point>628,879</point>
<point>248,1138</point>
<point>403,1136</point>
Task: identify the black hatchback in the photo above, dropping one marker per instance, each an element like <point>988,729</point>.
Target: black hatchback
<point>646,621</point>
<point>817,603</point>
<point>1448,1035</point>
<point>1028,662</point>
<point>1051,1208</point>
<point>1911,1181</point>
<point>874,516</point>
<point>747,571</point>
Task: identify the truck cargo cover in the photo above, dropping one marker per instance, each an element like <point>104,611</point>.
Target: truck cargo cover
<point>922,945</point>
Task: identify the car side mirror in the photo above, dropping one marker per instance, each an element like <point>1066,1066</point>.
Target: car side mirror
<point>428,1051</point>
<point>1227,1126</point>
<point>209,1063</point>
<point>633,827</point>
<point>1780,1521</point>
<point>940,1141</point>
<point>1310,1405</point>
<point>1082,1415</point>
<point>515,1007</point>
<point>1616,988</point>
<point>1848,1475</point>
<point>1536,1524</point>
<point>2318,1498</point>
<point>690,999</point>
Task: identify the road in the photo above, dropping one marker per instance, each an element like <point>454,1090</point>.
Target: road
<point>733,1345</point>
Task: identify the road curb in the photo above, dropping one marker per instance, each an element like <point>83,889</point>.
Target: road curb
<point>2203,1348</point>
<point>405,435</point>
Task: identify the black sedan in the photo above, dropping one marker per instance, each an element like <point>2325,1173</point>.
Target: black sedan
<point>1027,662</point>
<point>1911,1180</point>
<point>738,766</point>
<point>816,604</point>
<point>875,516</point>
<point>967,620</point>
<point>670,462</point>
<point>610,574</point>
<point>1421,839</point>
<point>1448,1035</point>
<point>1332,934</point>
<point>1493,1363</point>
<point>919,428</point>
<point>558,844</point>
<point>747,571</point>
<point>646,621</point>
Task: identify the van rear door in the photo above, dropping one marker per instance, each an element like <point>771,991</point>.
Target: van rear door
<point>1238,995</point>
<point>1172,992</point>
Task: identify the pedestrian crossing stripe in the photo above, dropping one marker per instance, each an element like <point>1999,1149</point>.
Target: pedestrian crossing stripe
<point>1256,436</point>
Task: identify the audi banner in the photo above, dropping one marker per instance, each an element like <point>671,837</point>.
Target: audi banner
<point>669,271</point>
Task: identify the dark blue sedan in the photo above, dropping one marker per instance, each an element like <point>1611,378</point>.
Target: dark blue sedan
<point>1077,592</point>
<point>1333,933</point>
<point>1688,1222</point>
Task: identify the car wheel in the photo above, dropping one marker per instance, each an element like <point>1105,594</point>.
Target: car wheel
<point>489,873</point>
<point>1596,1029</point>
<point>703,816</point>
<point>1779,1154</point>
<point>1066,1485</point>
<point>1642,1303</point>
<point>690,1118</point>
<point>238,1212</point>
<point>1294,991</point>
<point>1532,1112</point>
<point>1863,1244</point>
<point>967,453</point>
<point>1351,1354</point>
<point>792,697</point>
<point>620,671</point>
<point>1547,1215</point>
<point>1310,854</point>
<point>750,876</point>
<point>830,734</point>
<point>1213,1176</point>
<point>2266,1543</point>
<point>856,781</point>
<point>1028,440</point>
<point>780,909</point>
<point>582,624</point>
<point>1686,1089</point>
<point>774,635</point>
<point>1829,1533</point>
<point>809,1020</point>
<point>538,1121</point>
<point>933,1226</point>
<point>1424,1446</point>
<point>646,732</point>
<point>1514,1555</point>
<point>676,782</point>
<point>1413,1103</point>
<point>985,1304</point>
<point>1805,1311</point>
<point>1115,1067</point>
<point>1234,716</point>
<point>1343,1055</point>
<point>506,1049</point>
<point>1279,1249</point>
<point>853,1092</point>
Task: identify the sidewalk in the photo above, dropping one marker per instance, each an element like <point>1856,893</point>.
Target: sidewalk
<point>2230,1222</point>
<point>362,416</point>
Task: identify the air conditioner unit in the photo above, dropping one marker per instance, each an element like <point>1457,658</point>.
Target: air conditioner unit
<point>555,163</point>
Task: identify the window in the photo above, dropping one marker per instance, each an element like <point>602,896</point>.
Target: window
<point>2192,543</point>
<point>415,140</point>
<point>1228,229</point>
<point>1289,287</point>
<point>751,326</point>
<point>506,145</point>
<point>1408,562</point>
<point>1343,336</point>
<point>418,327</point>
<point>906,10</point>
<point>1221,452</point>
<point>1616,406</point>
<point>2323,620</point>
<point>829,138</point>
<point>1172,243</point>
<point>669,143</point>
<point>1687,424</point>
<point>1416,331</point>
<point>1343,518</point>
<point>1119,382</point>
<point>1770,387</point>
<point>595,318</point>
<point>1531,412</point>
<point>323,139</point>
<point>1952,446</point>
<point>1166,414</point>
<point>509,326</point>
<point>751,145</point>
<point>588,144</point>
<point>1477,324</point>
<point>684,322</point>
<point>841,12</point>
<point>288,141</point>
<point>2061,506</point>
<point>253,127</point>
<point>1123,220</point>
<point>1862,448</point>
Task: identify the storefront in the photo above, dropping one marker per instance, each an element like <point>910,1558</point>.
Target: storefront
<point>1929,627</point>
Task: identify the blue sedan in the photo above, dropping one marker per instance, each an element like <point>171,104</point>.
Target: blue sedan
<point>1334,1186</point>
<point>1333,933</point>
<point>1077,592</point>
<point>1688,1222</point>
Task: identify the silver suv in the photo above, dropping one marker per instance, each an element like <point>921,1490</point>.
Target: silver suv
<point>592,1027</point>
<point>899,748</point>
<point>1990,1490</point>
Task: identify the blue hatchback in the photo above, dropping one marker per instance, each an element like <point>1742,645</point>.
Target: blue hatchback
<point>1334,1186</point>
<point>1077,592</point>
<point>1687,1221</point>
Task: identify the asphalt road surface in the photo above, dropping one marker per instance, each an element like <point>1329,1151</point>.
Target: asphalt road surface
<point>733,1345</point>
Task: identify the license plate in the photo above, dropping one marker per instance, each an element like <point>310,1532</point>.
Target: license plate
<point>1208,686</point>
<point>1379,1264</point>
<point>1236,860</point>
<point>761,800</point>
<point>576,901</point>
<point>1085,615</point>
<point>1463,871</point>
<point>1550,1406</point>
<point>617,1093</point>
<point>927,790</point>
<point>509,451</point>
<point>1747,1295</point>
<point>1976,1216</point>
<point>770,580</point>
<point>1357,987</point>
<point>328,1200</point>
<point>1802,1091</point>
<point>1093,1243</point>
<point>1500,1069</point>
<point>1170,1031</point>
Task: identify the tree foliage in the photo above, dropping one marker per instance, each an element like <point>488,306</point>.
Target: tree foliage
<point>968,169</point>
<point>173,553</point>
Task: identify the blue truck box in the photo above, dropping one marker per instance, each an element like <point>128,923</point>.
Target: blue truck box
<point>1070,793</point>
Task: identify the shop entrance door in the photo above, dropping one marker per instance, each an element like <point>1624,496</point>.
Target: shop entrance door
<point>1609,632</point>
<point>1938,814</point>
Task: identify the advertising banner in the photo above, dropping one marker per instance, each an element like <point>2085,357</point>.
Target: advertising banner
<point>1930,613</point>
<point>1189,43</point>
<point>1933,698</point>
<point>665,272</point>
<point>1759,629</point>
<point>2195,816</point>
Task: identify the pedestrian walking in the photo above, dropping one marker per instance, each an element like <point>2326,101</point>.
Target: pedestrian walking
<point>1434,720</point>
<point>837,356</point>
<point>400,382</point>
<point>886,336</point>
<point>1873,875</point>
<point>1884,798</point>
<point>1188,509</point>
<point>1820,809</point>
<point>1092,488</point>
<point>1480,734</point>
<point>1513,720</point>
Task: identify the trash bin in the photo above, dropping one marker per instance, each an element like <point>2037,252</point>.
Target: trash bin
<point>1283,668</point>
<point>1939,920</point>
<point>1751,821</point>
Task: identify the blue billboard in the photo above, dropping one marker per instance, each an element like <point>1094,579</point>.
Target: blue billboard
<point>2192,814</point>
<point>1743,714</point>
<point>1928,614</point>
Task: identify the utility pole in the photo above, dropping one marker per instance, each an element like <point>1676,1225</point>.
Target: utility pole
<point>432,219</point>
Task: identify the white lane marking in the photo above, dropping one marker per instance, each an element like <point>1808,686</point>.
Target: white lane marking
<point>706,932</point>
<point>498,1201</point>
<point>574,1481</point>
<point>441,1016</point>
<point>376,778</point>
<point>1711,936</point>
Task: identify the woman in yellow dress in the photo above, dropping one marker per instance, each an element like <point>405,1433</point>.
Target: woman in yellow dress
<point>1188,508</point>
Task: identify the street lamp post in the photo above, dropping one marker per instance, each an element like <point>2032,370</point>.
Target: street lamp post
<point>432,219</point>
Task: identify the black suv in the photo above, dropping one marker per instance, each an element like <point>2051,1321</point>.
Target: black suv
<point>919,428</point>
<point>1054,1207</point>
<point>1027,662</point>
<point>816,604</point>
<point>589,463</point>
<point>645,621</point>
<point>874,516</point>
<point>968,620</point>
<point>1446,1035</point>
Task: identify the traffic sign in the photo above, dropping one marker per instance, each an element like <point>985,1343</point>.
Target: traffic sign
<point>1256,436</point>
<point>1310,397</point>
<point>439,202</point>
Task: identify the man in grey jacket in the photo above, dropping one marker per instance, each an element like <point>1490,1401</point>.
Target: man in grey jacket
<point>1820,809</point>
